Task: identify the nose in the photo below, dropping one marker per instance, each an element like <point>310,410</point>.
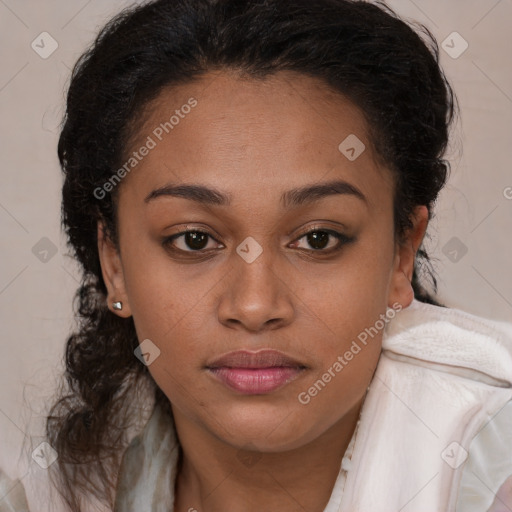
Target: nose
<point>256,296</point>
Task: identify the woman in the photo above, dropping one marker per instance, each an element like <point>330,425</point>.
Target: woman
<point>247,188</point>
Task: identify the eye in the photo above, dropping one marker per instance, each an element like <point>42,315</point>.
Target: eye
<point>318,240</point>
<point>324,241</point>
<point>190,241</point>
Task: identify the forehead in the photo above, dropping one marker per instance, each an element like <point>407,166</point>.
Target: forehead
<point>282,131</point>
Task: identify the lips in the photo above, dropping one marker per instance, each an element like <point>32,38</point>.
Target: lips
<point>255,373</point>
<point>261,359</point>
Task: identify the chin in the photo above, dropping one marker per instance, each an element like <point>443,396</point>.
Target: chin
<point>266,429</point>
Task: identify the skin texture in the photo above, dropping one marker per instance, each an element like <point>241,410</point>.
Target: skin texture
<point>254,140</point>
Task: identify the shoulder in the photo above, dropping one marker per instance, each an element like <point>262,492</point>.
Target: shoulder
<point>463,343</point>
<point>479,350</point>
<point>12,494</point>
<point>33,491</point>
<point>486,483</point>
<point>149,463</point>
<point>26,482</point>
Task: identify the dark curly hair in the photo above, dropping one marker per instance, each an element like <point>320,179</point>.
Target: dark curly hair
<point>386,66</point>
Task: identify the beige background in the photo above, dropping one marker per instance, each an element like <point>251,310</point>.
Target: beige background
<point>474,212</point>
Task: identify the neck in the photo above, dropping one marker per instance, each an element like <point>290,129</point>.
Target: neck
<point>214,476</point>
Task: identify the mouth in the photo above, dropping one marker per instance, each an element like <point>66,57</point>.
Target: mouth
<point>255,373</point>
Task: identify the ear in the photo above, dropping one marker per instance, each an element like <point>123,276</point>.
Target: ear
<point>112,272</point>
<point>401,290</point>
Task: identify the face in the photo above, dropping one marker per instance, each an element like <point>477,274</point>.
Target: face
<point>264,266</point>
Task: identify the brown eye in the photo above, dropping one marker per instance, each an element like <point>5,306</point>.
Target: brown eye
<point>319,239</point>
<point>189,241</point>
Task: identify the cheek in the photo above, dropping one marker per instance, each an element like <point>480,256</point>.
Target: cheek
<point>163,296</point>
<point>348,297</point>
<point>172,308</point>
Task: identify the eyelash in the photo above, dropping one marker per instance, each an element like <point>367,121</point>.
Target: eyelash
<point>342,240</point>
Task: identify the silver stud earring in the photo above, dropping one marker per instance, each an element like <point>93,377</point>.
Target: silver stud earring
<point>117,305</point>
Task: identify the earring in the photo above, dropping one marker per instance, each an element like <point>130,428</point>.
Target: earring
<point>117,305</point>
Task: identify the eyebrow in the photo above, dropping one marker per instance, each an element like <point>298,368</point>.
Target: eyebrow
<point>291,198</point>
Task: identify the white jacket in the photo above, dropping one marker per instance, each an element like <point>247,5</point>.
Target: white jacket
<point>435,432</point>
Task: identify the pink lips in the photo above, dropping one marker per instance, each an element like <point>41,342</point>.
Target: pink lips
<point>255,373</point>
